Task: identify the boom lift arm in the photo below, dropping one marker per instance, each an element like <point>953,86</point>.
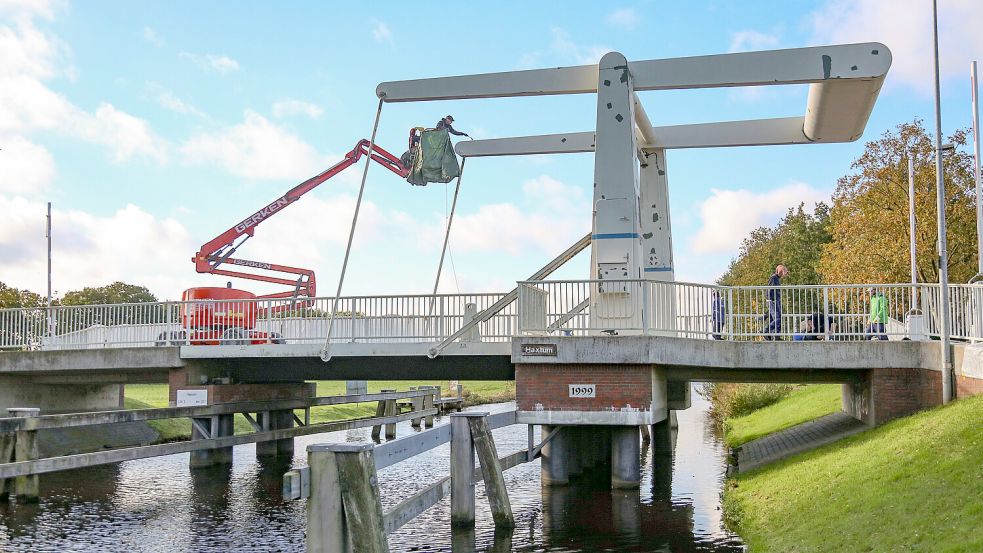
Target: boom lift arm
<point>218,251</point>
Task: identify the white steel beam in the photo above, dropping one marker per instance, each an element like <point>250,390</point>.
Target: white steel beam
<point>866,61</point>
<point>754,132</point>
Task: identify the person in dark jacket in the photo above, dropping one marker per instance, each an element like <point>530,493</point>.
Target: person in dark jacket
<point>774,301</point>
<point>718,312</point>
<point>446,123</point>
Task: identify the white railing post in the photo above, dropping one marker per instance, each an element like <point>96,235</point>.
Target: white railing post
<point>646,307</point>
<point>730,313</point>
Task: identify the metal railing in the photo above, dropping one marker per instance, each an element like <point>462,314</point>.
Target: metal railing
<point>555,307</point>
<point>815,312</point>
<point>395,318</point>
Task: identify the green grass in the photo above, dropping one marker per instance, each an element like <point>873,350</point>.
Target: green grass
<point>156,395</point>
<point>802,405</point>
<point>915,484</point>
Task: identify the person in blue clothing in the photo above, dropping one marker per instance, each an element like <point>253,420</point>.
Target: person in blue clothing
<point>447,123</point>
<point>718,312</point>
<point>774,301</point>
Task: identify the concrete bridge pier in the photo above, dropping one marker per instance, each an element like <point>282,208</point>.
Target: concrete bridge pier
<point>555,469</point>
<point>216,426</point>
<point>625,457</point>
<point>276,420</point>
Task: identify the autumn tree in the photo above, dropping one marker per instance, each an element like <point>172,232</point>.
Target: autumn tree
<point>796,241</point>
<point>11,297</point>
<point>869,217</point>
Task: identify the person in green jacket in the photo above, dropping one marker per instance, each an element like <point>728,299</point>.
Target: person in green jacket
<point>878,316</point>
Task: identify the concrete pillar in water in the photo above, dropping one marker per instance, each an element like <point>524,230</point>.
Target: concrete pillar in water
<point>575,451</point>
<point>215,426</point>
<point>556,455</point>
<point>662,437</point>
<point>26,488</point>
<point>625,471</point>
<point>276,420</point>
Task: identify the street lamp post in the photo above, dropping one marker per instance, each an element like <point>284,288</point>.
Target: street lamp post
<point>940,207</point>
<point>976,172</point>
<point>911,227</point>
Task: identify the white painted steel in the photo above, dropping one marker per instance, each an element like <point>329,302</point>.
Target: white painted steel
<point>836,312</point>
<point>844,82</point>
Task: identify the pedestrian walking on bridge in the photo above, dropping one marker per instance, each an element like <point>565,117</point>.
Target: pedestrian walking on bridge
<point>774,301</point>
<point>878,316</point>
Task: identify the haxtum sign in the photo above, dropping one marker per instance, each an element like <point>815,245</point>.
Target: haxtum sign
<point>543,350</point>
<point>257,218</point>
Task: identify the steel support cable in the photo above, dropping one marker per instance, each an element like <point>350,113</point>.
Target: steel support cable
<point>447,235</point>
<point>326,348</point>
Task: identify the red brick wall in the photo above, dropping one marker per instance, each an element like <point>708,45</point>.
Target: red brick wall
<point>901,392</point>
<point>616,386</point>
<point>967,386</point>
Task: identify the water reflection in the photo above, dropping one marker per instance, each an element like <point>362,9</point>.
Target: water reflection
<point>160,505</point>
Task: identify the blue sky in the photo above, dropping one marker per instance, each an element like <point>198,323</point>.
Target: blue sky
<point>153,127</point>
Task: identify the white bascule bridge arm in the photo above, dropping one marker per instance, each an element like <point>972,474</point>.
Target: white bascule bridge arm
<point>631,235</point>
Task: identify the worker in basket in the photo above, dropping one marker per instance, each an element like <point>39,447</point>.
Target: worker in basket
<point>431,156</point>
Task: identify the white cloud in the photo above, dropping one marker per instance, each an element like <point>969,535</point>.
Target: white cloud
<point>255,149</point>
<point>152,37</point>
<point>223,65</point>
<point>728,216</point>
<point>25,167</point>
<point>552,215</point>
<point>381,32</point>
<point>290,106</point>
<point>168,100</point>
<point>129,245</point>
<point>626,18</point>
<point>905,26</point>
<point>563,50</point>
<point>751,40</point>
<point>28,58</point>
<point>567,49</point>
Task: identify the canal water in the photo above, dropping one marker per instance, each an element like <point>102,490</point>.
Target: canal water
<point>160,505</point>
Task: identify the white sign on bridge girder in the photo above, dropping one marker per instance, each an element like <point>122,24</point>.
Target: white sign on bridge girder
<point>192,398</point>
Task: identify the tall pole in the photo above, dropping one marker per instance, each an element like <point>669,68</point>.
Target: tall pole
<point>47,235</point>
<point>940,207</point>
<point>976,170</point>
<point>911,226</point>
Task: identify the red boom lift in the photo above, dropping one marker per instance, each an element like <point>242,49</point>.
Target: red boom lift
<point>206,320</point>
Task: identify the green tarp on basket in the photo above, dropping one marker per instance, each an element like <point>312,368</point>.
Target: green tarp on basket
<point>433,159</point>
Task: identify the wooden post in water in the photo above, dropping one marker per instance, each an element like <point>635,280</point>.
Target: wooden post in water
<point>26,488</point>
<point>491,470</point>
<point>428,403</point>
<point>417,404</point>
<point>391,411</point>
<point>380,411</point>
<point>462,470</point>
<point>360,497</point>
<point>6,456</point>
<point>326,529</point>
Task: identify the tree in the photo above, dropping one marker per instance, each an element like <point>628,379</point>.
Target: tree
<point>869,217</point>
<point>796,241</point>
<point>11,297</point>
<point>117,292</point>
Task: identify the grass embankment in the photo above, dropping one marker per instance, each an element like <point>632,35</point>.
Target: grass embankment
<point>914,484</point>
<point>801,405</point>
<point>141,396</point>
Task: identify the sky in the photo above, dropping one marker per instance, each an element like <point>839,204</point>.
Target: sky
<point>154,127</point>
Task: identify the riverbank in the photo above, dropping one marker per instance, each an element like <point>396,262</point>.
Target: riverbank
<point>914,484</point>
<point>801,405</point>
<point>476,392</point>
